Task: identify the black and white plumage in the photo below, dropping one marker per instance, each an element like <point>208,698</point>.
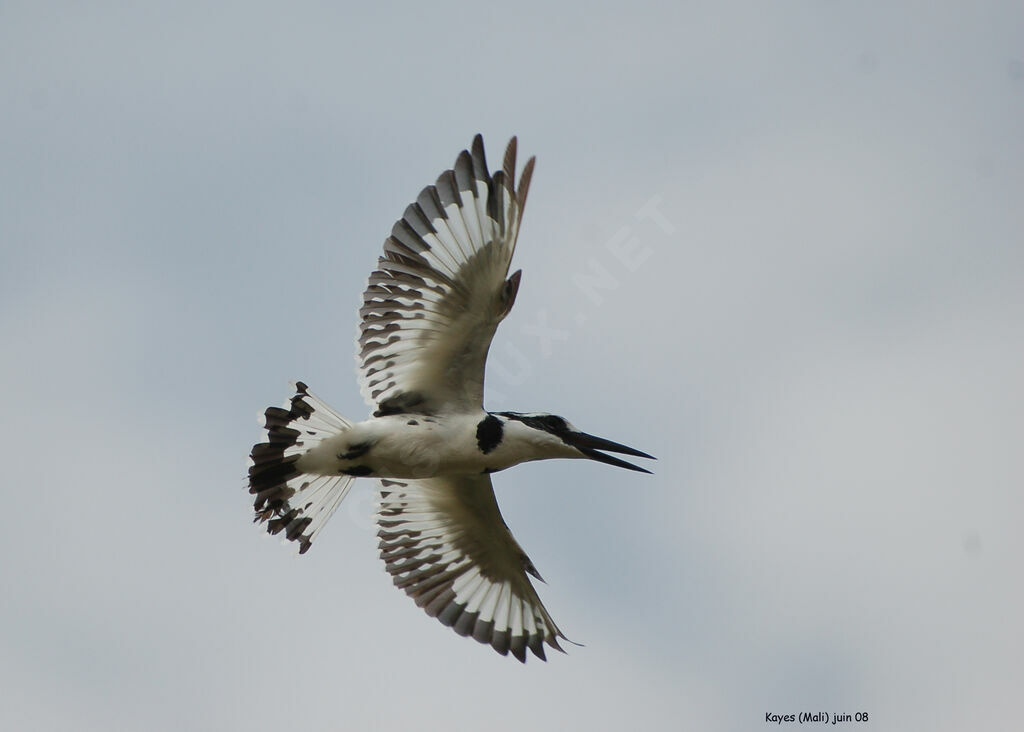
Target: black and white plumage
<point>429,313</point>
<point>432,306</point>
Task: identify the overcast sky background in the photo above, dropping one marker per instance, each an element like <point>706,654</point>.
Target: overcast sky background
<point>819,335</point>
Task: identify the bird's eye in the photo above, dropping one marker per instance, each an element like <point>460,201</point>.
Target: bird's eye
<point>555,424</point>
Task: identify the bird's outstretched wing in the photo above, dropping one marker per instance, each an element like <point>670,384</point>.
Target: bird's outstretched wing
<point>432,306</point>
<point>444,542</point>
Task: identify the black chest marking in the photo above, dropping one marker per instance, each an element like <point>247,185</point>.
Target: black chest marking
<point>489,433</point>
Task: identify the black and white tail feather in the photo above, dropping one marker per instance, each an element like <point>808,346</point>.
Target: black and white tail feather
<point>291,502</point>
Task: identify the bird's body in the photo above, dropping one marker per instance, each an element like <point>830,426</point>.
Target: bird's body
<point>428,315</point>
<point>423,446</point>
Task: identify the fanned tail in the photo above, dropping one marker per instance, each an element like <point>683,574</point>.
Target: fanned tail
<point>286,499</point>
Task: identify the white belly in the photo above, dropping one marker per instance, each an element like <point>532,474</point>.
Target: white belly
<point>404,446</point>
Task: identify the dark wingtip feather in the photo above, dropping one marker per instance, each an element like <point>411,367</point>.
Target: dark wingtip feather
<point>524,183</point>
<point>509,164</point>
<point>479,158</point>
<point>464,171</point>
<point>536,644</point>
<point>500,642</point>
<point>517,645</point>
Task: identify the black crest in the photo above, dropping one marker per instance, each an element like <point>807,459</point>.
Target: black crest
<point>544,422</point>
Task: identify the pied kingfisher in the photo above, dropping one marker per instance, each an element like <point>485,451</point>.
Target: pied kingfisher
<point>428,315</point>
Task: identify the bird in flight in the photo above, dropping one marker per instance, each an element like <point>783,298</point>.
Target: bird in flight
<point>429,313</point>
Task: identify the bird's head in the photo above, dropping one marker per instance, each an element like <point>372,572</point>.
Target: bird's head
<point>560,433</point>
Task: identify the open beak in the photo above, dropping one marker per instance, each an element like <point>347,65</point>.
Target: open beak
<point>589,446</point>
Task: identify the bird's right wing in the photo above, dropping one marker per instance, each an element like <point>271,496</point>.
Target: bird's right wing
<point>432,306</point>
<point>445,543</point>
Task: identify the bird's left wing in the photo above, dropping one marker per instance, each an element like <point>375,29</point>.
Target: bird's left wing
<point>432,306</point>
<point>445,543</point>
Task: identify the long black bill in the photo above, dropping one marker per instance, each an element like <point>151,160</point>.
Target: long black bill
<point>589,446</point>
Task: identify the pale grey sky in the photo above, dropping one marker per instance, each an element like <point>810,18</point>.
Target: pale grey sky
<point>818,334</point>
